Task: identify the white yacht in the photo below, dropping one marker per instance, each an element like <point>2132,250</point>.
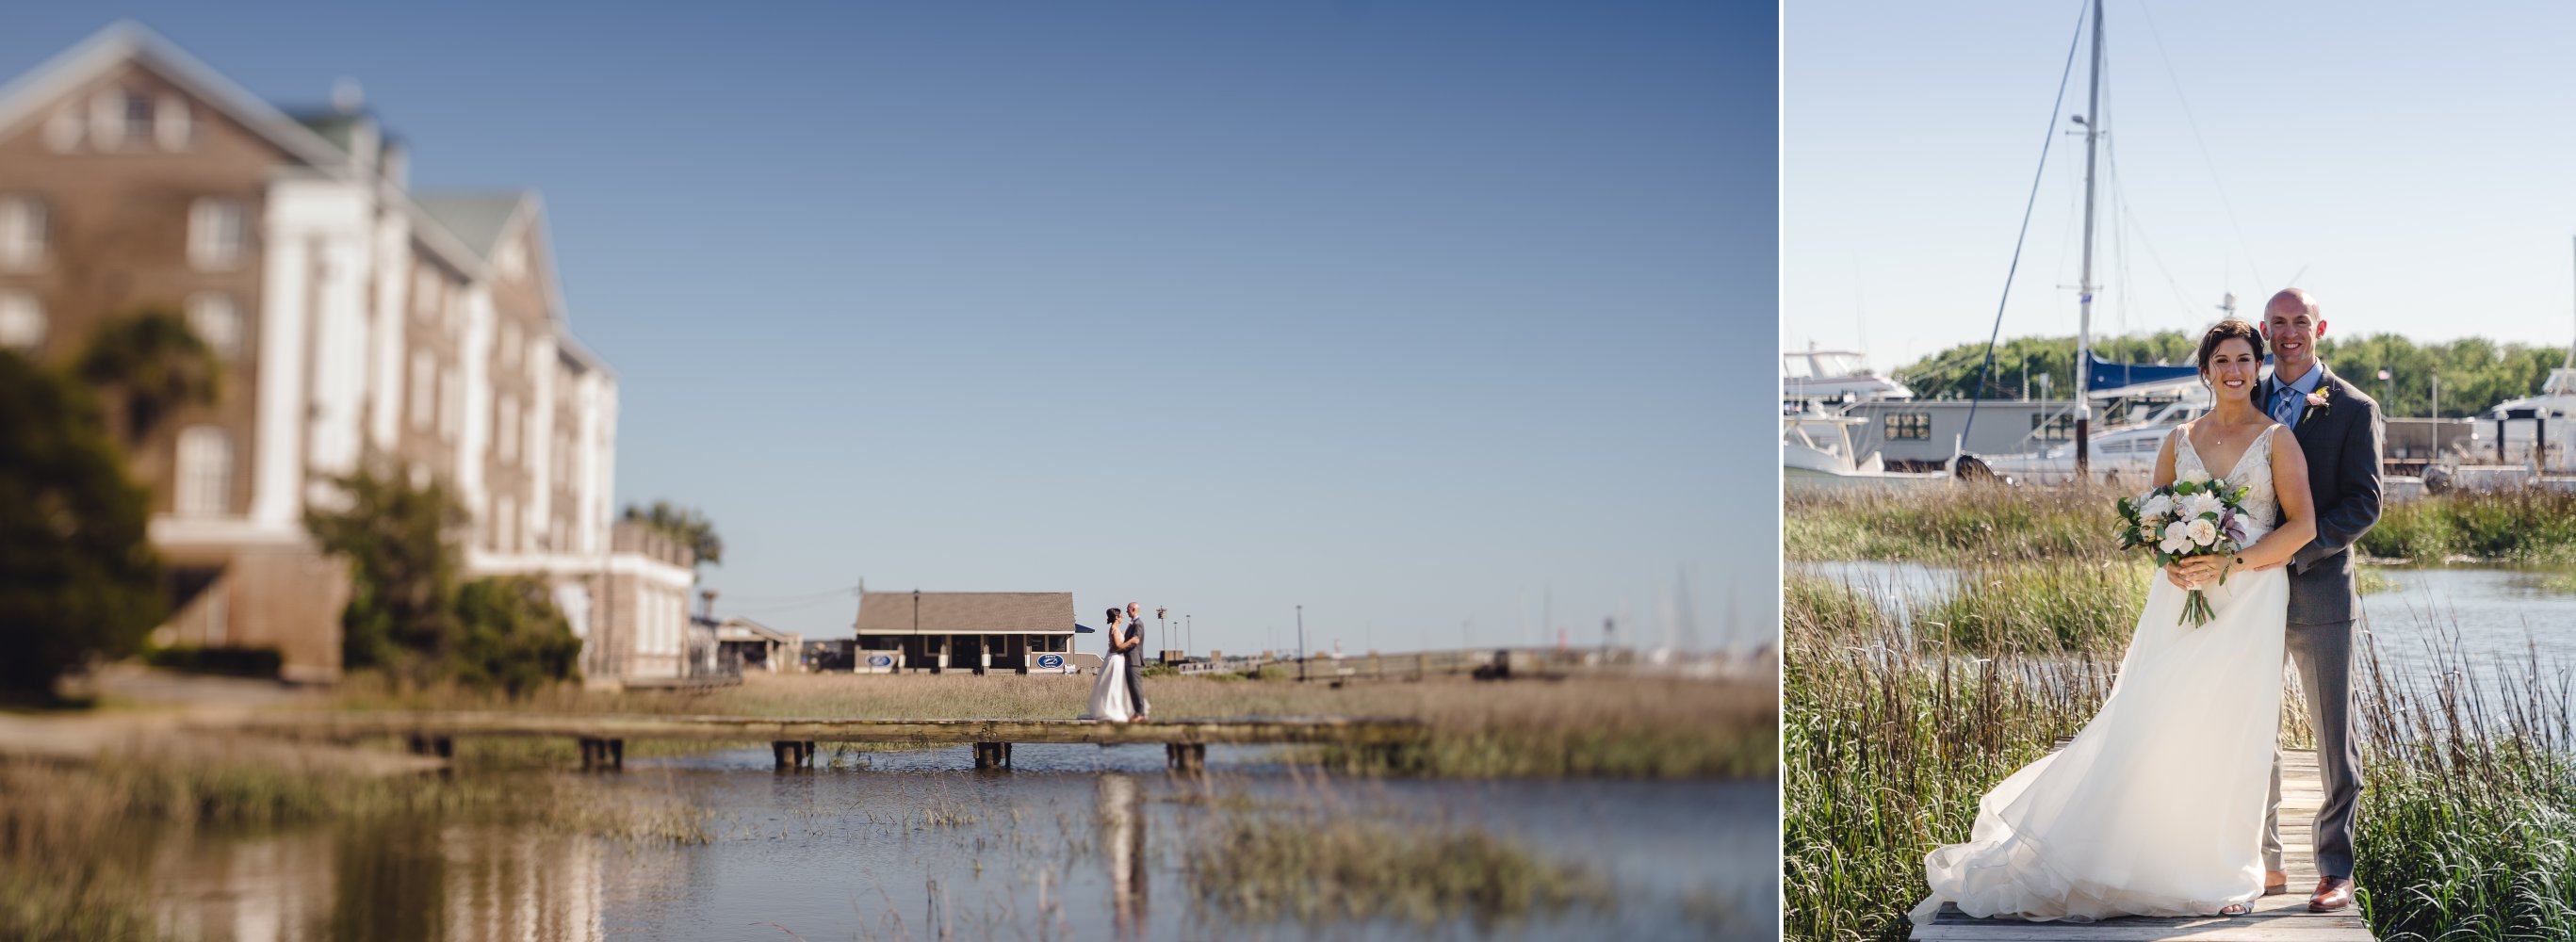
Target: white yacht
<point>1813,375</point>
<point>2552,412</point>
<point>1816,455</point>
<point>2125,453</point>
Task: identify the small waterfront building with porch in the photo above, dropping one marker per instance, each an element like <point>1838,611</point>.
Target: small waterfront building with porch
<point>981,632</point>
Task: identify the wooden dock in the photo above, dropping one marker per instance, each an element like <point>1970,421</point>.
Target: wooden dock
<point>2282,918</point>
<point>792,739</point>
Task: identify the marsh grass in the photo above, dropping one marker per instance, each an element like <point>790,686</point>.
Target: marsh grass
<point>2517,526</point>
<point>1954,525</point>
<point>2467,826</point>
<point>1318,863</point>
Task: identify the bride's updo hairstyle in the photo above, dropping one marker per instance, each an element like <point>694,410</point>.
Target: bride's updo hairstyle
<point>2226,330</point>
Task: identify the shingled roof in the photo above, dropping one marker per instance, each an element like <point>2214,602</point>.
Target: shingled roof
<point>965,613</point>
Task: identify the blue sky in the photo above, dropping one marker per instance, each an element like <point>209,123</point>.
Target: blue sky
<point>1429,317</point>
<point>2404,162</point>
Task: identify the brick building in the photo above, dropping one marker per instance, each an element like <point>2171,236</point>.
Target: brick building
<point>355,316</point>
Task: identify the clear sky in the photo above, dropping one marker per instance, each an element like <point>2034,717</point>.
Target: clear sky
<point>1428,317</point>
<point>2410,164</point>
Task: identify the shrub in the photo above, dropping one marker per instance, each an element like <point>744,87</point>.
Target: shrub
<point>510,636</point>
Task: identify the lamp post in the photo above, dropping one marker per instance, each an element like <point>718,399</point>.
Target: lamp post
<point>2388,389</point>
<point>1158,624</point>
<point>1301,643</point>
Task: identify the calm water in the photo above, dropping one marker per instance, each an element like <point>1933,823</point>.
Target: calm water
<point>2499,617</point>
<point>1050,850</point>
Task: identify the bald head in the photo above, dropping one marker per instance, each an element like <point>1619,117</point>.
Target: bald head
<point>2293,321</point>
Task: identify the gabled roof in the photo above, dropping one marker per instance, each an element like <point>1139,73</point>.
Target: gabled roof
<point>894,613</point>
<point>128,41</point>
<point>477,219</point>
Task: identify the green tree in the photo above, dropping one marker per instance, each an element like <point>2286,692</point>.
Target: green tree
<point>401,615</point>
<point>2474,373</point>
<point>682,525</point>
<point>78,577</point>
<point>149,364</point>
<point>512,637</point>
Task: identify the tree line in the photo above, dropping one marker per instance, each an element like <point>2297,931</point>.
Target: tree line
<point>2474,373</point>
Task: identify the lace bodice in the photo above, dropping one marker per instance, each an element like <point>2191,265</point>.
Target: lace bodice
<point>2253,469</point>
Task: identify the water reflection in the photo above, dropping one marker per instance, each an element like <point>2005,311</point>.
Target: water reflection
<point>852,854</point>
<point>1122,830</point>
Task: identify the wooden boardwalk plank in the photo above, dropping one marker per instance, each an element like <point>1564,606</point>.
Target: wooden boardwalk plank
<point>1184,731</point>
<point>2282,918</point>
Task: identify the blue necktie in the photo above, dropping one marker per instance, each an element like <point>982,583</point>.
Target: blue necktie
<point>2286,410</point>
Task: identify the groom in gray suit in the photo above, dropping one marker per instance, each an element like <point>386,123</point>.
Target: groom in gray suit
<point>2339,430</point>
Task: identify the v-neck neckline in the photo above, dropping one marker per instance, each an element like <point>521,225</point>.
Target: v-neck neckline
<point>2232,467</point>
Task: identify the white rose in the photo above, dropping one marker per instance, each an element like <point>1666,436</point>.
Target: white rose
<point>2201,532</point>
<point>2196,476</point>
<point>2156,506</point>
<point>2177,537</point>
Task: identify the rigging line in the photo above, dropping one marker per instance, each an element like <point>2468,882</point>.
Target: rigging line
<point>2055,108</point>
<point>2129,217</point>
<point>2202,143</point>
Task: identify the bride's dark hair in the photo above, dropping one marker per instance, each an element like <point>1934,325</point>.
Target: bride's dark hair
<point>2229,329</point>
<point>1116,613</point>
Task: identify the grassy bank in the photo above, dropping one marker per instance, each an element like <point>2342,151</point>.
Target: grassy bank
<point>1322,866</point>
<point>1642,727</point>
<point>1895,725</point>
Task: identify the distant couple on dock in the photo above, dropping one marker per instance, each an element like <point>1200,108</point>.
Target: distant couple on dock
<point>1118,694</point>
<point>2166,803</point>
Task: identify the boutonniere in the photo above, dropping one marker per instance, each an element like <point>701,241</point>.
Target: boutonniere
<point>2317,406</point>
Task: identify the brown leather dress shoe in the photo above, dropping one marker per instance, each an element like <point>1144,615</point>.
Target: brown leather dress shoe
<point>2332,893</point>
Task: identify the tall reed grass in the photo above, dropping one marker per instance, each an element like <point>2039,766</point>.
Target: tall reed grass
<point>2518,526</point>
<point>1894,724</point>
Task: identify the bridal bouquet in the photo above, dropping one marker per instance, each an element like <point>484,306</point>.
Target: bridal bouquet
<point>2195,516</point>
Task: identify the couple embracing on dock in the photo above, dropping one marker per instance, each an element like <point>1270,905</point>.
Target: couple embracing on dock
<point>2165,804</point>
<point>1118,694</point>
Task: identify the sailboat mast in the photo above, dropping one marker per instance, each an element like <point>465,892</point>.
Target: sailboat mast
<point>2571,355</point>
<point>2084,286</point>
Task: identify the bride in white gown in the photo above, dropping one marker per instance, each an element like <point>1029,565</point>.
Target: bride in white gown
<point>2156,808</point>
<point>1109,700</point>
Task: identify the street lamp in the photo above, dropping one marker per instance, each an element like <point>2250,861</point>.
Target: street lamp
<point>1301,643</point>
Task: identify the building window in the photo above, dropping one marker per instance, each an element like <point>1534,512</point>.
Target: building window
<point>512,260</point>
<point>217,321</point>
<point>22,320</point>
<point>217,234</point>
<point>451,402</point>
<point>1908,426</point>
<point>506,439</point>
<point>172,126</point>
<point>22,232</point>
<point>205,472</point>
<point>2053,428</point>
<point>138,117</point>
<point>424,389</point>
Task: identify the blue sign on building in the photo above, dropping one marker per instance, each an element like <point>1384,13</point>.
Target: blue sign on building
<point>1051,662</point>
<point>880,660</point>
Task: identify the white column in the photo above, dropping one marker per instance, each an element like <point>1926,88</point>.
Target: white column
<point>277,468</point>
<point>390,383</point>
<point>474,438</point>
<point>539,459</point>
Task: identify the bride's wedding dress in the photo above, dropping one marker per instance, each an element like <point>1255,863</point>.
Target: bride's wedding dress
<point>2156,807</point>
<point>1109,699</point>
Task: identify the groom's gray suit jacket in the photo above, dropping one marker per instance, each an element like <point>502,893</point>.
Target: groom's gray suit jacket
<point>2342,441</point>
